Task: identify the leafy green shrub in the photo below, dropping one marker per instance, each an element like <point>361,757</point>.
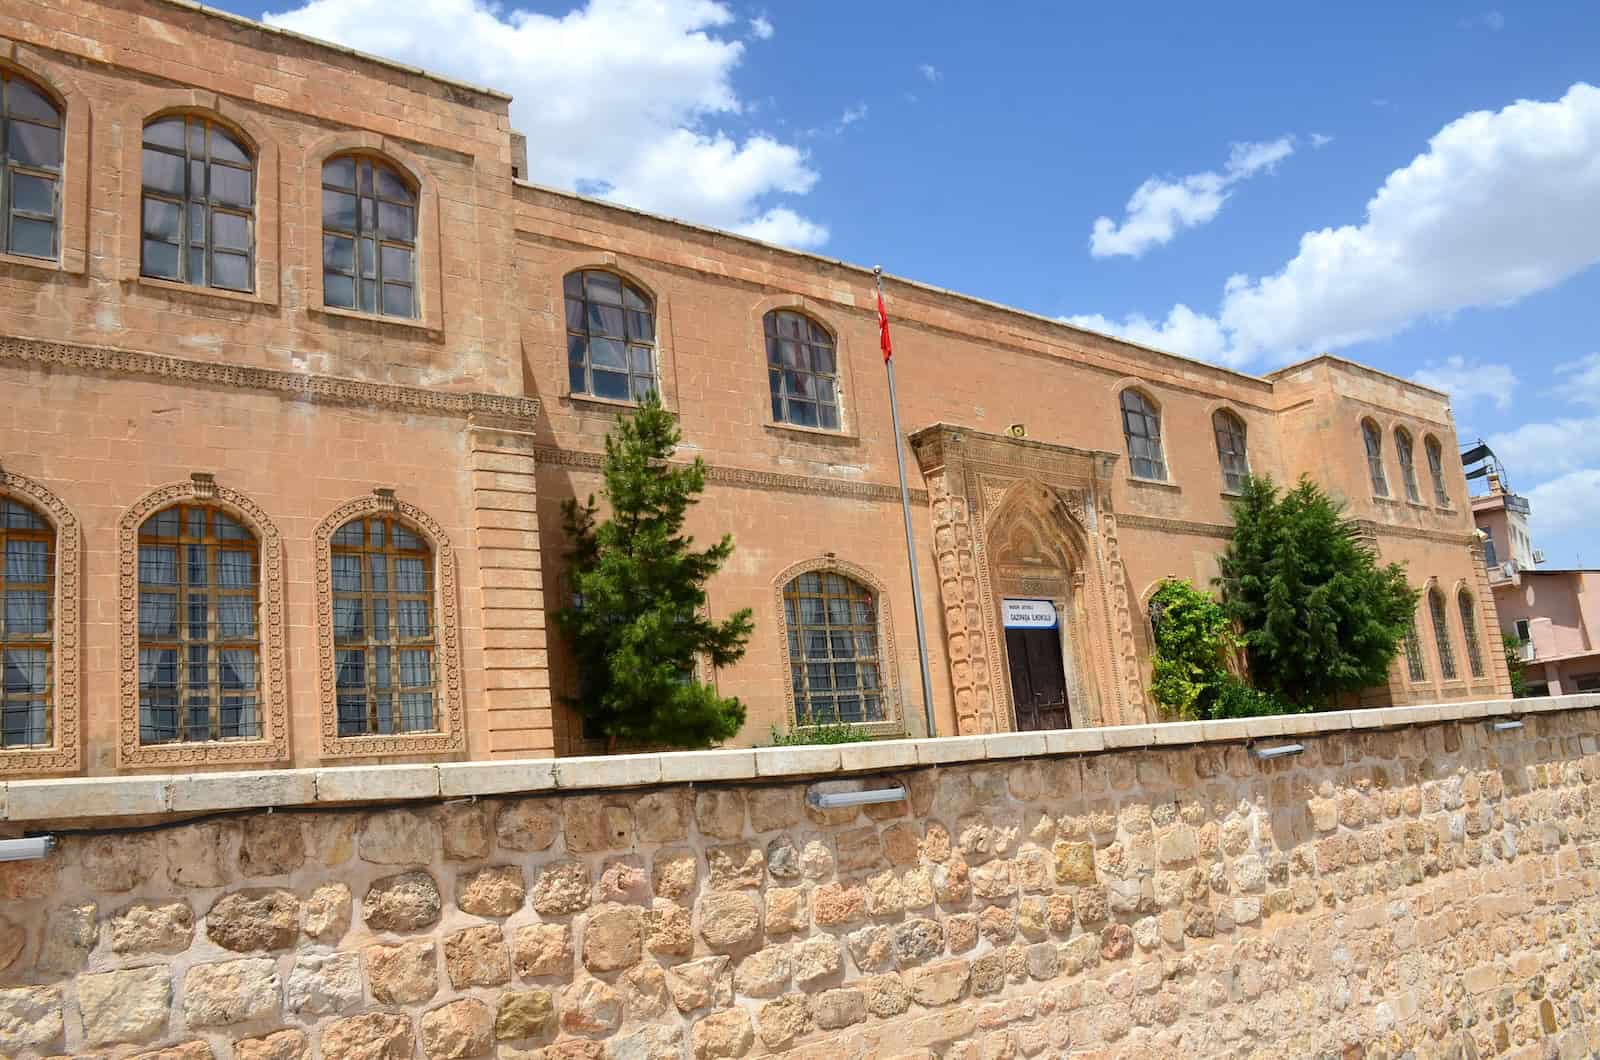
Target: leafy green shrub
<point>1192,639</point>
<point>1513,650</point>
<point>809,735</point>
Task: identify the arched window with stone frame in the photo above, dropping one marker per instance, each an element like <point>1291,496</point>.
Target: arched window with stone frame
<point>803,378</point>
<point>611,336</point>
<point>1441,634</point>
<point>1469,631</point>
<point>31,151</point>
<point>1141,429</point>
<point>1372,438</point>
<point>1435,453</point>
<point>27,624</point>
<point>838,646</point>
<point>197,212</point>
<point>1405,452</point>
<point>1232,453</point>
<point>369,236</point>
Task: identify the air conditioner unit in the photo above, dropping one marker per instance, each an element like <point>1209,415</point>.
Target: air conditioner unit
<point>1509,568</point>
<point>1538,555</point>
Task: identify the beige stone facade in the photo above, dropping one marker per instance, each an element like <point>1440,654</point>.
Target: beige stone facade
<point>128,395</point>
<point>1423,887</point>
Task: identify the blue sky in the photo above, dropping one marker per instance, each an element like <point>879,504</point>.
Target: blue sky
<point>1441,163</point>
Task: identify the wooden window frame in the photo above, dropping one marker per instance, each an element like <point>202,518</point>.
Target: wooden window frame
<point>379,680</point>
<point>1232,444</point>
<point>782,378</point>
<point>581,369</point>
<point>365,229</point>
<point>183,642</point>
<point>1416,669</point>
<point>204,200</point>
<point>11,168</point>
<point>450,735</point>
<point>43,641</point>
<point>1142,423</point>
<point>893,723</point>
<point>1435,452</point>
<point>1372,439</point>
<point>1468,607</point>
<point>1405,449</point>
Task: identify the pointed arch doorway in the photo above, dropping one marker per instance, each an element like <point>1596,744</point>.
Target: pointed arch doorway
<point>1034,595</point>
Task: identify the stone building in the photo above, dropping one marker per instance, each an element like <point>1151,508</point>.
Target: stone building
<point>296,381</point>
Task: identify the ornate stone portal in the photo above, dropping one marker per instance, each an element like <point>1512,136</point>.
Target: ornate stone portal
<point>1013,517</point>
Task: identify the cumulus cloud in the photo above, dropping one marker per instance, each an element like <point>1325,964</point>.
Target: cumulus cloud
<point>929,72</point>
<point>1493,21</point>
<point>761,27</point>
<point>1160,208</point>
<point>618,97</point>
<point>1569,502</point>
<point>1320,140</point>
<point>1469,382</point>
<point>1502,204</point>
<point>1580,380</point>
<point>1184,331</point>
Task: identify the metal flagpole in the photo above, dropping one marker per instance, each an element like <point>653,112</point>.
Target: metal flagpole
<point>911,544</point>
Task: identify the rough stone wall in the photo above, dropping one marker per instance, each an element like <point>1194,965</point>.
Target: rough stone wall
<point>1427,891</point>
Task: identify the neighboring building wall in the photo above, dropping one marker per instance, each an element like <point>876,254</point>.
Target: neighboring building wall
<point>1424,887</point>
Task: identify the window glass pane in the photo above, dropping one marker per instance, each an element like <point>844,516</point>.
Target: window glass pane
<point>390,186</point>
<point>397,300</point>
<point>397,265</point>
<point>338,252</point>
<point>226,149</point>
<point>610,384</point>
<point>822,359</point>
<point>338,290</point>
<point>25,101</point>
<point>338,210</point>
<point>603,287</point>
<point>828,416</point>
<point>163,172</point>
<point>229,231</point>
<point>33,194</point>
<point>231,185</point>
<point>605,320</point>
<point>607,353</point>
<point>641,326</point>
<point>395,222</point>
<point>640,360</point>
<point>340,172</point>
<point>369,296</point>
<point>36,239</point>
<point>25,560</point>
<point>643,385</point>
<point>34,145</point>
<point>231,271</point>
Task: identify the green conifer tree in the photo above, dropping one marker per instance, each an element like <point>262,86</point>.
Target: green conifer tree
<point>637,621</point>
<point>1317,614</point>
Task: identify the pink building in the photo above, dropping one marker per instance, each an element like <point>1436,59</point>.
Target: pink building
<point>1554,613</point>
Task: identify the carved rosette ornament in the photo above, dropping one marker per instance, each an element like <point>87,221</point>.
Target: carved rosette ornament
<point>273,746</point>
<point>64,753</point>
<point>451,736</point>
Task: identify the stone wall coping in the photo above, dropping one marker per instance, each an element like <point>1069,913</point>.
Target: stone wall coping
<point>31,803</point>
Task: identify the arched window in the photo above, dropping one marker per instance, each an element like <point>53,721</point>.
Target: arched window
<point>802,371</point>
<point>1141,425</point>
<point>198,206</point>
<point>1441,635</point>
<point>1231,452</point>
<point>1414,665</point>
<point>611,336</point>
<point>1441,496</point>
<point>27,590</point>
<point>1469,630</point>
<point>30,154</point>
<point>1374,442</point>
<point>834,663</point>
<point>383,630</point>
<point>369,237</point>
<point>199,640</point>
<point>1406,451</point>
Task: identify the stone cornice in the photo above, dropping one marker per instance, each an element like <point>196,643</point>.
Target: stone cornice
<point>745,478</point>
<point>1224,531</point>
<point>34,805</point>
<point>334,390</point>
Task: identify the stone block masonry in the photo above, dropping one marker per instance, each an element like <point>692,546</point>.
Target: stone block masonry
<point>1422,886</point>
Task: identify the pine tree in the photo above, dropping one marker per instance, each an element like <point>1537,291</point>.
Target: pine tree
<point>1317,614</point>
<point>637,621</point>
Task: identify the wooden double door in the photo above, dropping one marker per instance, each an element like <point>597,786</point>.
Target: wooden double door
<point>1038,679</point>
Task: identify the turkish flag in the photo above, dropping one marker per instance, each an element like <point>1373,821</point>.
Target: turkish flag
<point>883,330</point>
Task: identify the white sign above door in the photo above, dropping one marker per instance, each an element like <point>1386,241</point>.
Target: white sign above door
<point>1028,614</point>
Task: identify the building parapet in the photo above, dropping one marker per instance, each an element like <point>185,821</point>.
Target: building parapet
<point>26,804</point>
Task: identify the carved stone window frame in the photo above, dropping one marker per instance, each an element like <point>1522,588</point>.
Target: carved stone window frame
<point>273,746</point>
<point>894,722</point>
<point>64,754</point>
<point>450,738</point>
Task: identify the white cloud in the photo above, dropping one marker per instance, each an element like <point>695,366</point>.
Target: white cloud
<point>761,28</point>
<point>1319,140</point>
<point>1493,21</point>
<point>1183,332</point>
<point>929,72</point>
<point>1502,204</point>
<point>1570,502</point>
<point>617,96</point>
<point>1468,382</point>
<point>1160,208</point>
<point>852,115</point>
<point>1551,448</point>
<point>1581,382</point>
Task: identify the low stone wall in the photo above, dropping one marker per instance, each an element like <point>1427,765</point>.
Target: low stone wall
<point>1424,885</point>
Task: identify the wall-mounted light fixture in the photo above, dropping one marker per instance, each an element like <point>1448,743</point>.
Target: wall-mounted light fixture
<point>1282,750</point>
<point>838,800</point>
<point>1505,724</point>
<point>27,849</point>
